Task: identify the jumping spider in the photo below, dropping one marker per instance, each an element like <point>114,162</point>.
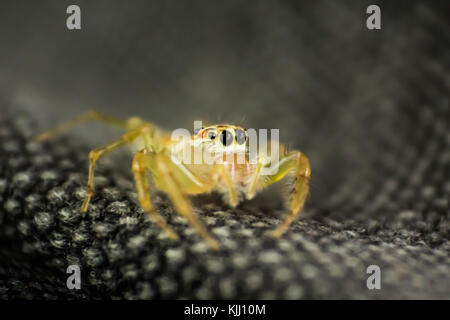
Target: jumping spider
<point>178,179</point>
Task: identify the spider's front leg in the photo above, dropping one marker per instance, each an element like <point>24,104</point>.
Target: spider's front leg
<point>294,164</point>
<point>96,154</point>
<point>135,127</point>
<point>178,182</point>
<point>140,176</point>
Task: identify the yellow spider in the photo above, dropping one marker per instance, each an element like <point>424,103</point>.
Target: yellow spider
<point>234,179</point>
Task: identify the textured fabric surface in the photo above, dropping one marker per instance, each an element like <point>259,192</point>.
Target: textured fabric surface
<point>370,109</point>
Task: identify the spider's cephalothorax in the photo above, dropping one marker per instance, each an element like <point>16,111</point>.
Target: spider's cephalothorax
<point>217,161</point>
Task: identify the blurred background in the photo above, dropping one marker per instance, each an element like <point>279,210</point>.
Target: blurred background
<point>346,96</point>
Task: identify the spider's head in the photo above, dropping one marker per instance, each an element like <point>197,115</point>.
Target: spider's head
<point>224,137</point>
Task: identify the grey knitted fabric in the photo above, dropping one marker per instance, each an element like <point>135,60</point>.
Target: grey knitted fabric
<point>369,108</point>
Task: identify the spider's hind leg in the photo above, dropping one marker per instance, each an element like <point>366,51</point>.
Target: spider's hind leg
<point>89,115</point>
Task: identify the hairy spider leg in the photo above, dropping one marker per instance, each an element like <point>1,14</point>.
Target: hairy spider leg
<point>96,154</point>
<point>167,176</point>
<point>89,115</point>
<point>294,164</point>
<point>139,168</point>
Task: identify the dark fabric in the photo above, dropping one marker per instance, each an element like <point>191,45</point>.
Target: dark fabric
<point>369,108</point>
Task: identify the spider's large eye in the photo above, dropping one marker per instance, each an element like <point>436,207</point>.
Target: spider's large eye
<point>241,137</point>
<point>226,138</point>
<point>211,134</point>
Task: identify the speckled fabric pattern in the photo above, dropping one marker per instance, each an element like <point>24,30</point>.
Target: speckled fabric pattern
<point>124,255</point>
<point>373,116</point>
